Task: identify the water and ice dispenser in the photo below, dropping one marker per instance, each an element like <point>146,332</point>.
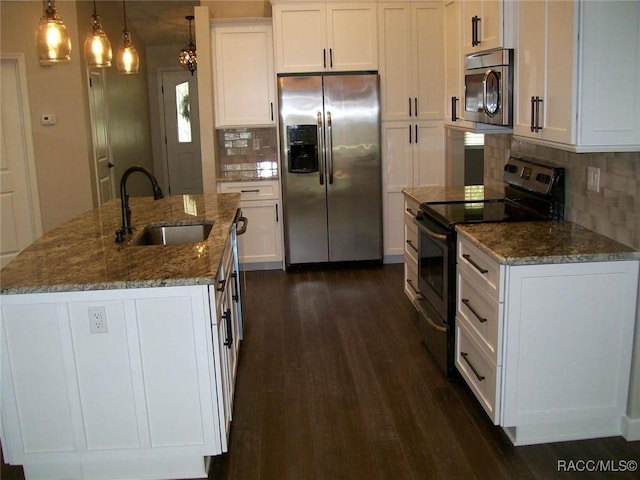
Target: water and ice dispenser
<point>302,153</point>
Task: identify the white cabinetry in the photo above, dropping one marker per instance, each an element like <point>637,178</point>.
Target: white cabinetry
<point>333,36</point>
<point>411,60</point>
<point>226,304</point>
<point>413,156</point>
<point>411,249</point>
<point>243,70</point>
<point>546,349</point>
<point>141,395</point>
<point>454,63</point>
<point>578,65</point>
<point>261,245</point>
<point>412,87</point>
<point>486,24</point>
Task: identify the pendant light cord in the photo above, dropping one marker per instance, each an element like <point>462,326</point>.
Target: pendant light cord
<point>124,10</point>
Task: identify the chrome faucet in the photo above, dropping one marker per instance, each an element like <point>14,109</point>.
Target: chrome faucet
<point>124,199</point>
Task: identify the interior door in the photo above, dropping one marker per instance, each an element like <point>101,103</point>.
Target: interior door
<point>103,164</point>
<point>20,222</point>
<point>182,132</point>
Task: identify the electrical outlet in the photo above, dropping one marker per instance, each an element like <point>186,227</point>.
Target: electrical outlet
<point>97,320</point>
<point>593,179</point>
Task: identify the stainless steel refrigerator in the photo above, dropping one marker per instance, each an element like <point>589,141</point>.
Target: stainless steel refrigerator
<point>331,167</point>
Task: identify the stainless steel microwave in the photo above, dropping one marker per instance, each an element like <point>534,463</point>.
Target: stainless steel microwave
<point>488,87</point>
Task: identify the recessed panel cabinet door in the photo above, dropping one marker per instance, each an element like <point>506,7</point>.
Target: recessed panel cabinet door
<point>300,37</point>
<point>245,88</point>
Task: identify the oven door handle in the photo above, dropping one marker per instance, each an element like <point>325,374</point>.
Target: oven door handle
<point>434,325</point>
<point>435,236</point>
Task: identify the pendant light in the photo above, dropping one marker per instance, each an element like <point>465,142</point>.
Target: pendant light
<point>127,58</point>
<point>97,47</point>
<point>52,38</point>
<point>187,56</point>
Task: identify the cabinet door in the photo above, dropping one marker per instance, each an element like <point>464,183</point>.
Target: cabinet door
<point>428,60</point>
<point>262,241</point>
<point>397,158</point>
<point>545,69</point>
<point>37,420</point>
<point>396,81</point>
<point>490,26</point>
<point>244,75</point>
<point>530,62</point>
<point>453,60</point>
<point>300,37</point>
<point>352,36</point>
<point>428,155</point>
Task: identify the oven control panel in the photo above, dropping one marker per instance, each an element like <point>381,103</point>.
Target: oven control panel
<point>533,176</point>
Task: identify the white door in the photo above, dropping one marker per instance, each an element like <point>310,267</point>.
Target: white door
<point>182,132</point>
<point>20,221</point>
<point>103,165</point>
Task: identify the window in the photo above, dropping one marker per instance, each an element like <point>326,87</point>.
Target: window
<point>183,108</point>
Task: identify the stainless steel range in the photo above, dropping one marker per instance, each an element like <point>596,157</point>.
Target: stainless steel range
<point>532,192</point>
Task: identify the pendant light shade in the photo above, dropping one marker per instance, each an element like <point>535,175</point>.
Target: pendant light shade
<point>52,38</point>
<point>97,47</point>
<point>187,56</point>
<point>127,59</point>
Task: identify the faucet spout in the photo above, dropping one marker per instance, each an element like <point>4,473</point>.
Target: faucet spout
<point>124,198</point>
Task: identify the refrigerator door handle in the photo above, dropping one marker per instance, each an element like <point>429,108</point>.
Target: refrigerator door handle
<point>320,149</point>
<point>329,148</point>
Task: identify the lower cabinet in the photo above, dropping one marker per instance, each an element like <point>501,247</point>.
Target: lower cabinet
<point>412,156</point>
<point>128,383</point>
<point>411,248</point>
<point>546,349</point>
<point>260,247</point>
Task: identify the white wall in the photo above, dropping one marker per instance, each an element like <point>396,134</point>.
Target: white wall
<point>63,151</point>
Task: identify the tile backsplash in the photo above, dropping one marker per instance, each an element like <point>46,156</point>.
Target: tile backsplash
<point>614,211</point>
<point>249,152</point>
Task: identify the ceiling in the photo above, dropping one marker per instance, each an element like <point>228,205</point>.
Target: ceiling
<point>160,22</point>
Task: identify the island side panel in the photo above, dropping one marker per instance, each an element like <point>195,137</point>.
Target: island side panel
<point>568,341</point>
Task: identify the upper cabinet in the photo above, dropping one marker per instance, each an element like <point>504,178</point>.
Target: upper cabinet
<point>317,37</point>
<point>577,71</point>
<point>243,71</point>
<point>486,24</point>
<point>411,37</point>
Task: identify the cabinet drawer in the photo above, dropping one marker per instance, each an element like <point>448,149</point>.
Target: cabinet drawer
<point>259,190</point>
<point>480,373</point>
<point>480,267</point>
<point>481,313</point>
<point>411,279</point>
<point>411,240</point>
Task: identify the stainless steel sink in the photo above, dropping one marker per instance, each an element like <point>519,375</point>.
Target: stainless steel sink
<point>172,234</point>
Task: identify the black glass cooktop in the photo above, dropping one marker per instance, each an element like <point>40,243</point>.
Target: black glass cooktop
<point>449,214</point>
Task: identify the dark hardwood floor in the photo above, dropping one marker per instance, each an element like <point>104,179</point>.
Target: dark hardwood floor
<point>334,383</point>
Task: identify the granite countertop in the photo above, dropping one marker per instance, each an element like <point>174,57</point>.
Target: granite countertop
<point>530,243</point>
<point>82,254</point>
<point>470,193</point>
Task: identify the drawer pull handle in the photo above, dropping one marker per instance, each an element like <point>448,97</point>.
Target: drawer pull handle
<point>255,190</point>
<point>467,257</point>
<point>415,290</point>
<point>473,369</point>
<point>473,310</point>
<point>410,243</point>
<point>412,212</point>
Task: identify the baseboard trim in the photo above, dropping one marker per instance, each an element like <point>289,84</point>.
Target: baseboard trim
<point>630,428</point>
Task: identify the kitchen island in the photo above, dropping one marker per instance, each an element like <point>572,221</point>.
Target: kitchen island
<point>119,360</point>
<point>545,316</point>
